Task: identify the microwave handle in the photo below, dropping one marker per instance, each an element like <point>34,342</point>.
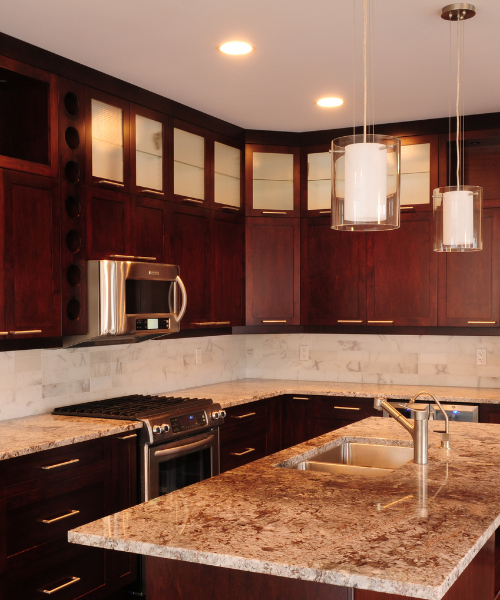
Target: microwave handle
<point>178,280</point>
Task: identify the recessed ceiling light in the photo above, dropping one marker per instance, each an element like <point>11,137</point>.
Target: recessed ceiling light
<point>236,48</point>
<point>329,102</point>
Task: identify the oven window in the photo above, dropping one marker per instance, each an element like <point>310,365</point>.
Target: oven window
<point>148,297</point>
<point>176,473</point>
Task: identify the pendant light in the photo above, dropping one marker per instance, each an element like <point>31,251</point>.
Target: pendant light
<point>457,209</point>
<point>366,168</point>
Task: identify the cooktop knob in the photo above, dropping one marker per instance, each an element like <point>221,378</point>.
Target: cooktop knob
<point>157,430</point>
<point>165,427</point>
<point>216,415</point>
<point>223,414</point>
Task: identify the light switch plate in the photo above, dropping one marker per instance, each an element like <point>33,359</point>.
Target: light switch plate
<point>198,356</point>
<point>481,356</point>
<point>304,353</point>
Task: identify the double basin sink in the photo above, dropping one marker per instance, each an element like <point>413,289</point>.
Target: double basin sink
<point>354,458</point>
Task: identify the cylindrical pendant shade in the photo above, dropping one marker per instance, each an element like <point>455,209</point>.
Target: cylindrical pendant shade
<point>457,218</point>
<point>365,182</point>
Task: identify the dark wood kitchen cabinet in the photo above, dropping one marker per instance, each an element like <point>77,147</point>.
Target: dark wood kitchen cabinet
<point>402,274</point>
<point>333,274</point>
<point>149,228</point>
<point>334,412</point>
<point>42,496</point>
<point>469,283</point>
<point>272,271</point>
<point>30,242</point>
<point>298,419</point>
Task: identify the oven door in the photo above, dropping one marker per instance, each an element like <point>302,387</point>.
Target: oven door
<point>180,463</point>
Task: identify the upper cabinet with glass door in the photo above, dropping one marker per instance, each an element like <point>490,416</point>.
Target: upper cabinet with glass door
<point>190,172</point>
<point>419,172</point>
<point>316,175</point>
<point>148,152</point>
<point>228,167</point>
<point>108,154</point>
<point>272,180</point>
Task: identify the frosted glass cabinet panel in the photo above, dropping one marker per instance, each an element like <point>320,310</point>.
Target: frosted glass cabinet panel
<point>415,174</point>
<point>227,175</point>
<point>189,164</point>
<point>319,181</point>
<point>149,153</point>
<point>273,185</point>
<point>107,141</point>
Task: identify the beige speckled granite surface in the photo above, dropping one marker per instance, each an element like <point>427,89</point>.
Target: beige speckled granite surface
<point>232,393</point>
<point>42,432</point>
<point>411,532</point>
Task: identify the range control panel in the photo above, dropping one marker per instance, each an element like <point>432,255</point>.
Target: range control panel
<point>154,324</point>
<point>189,421</point>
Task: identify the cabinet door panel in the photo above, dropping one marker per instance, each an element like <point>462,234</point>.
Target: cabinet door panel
<point>227,269</point>
<point>189,250</point>
<point>469,286</point>
<point>32,254</point>
<point>273,271</point>
<point>333,285</point>
<point>149,225</point>
<point>108,223</point>
<point>401,274</point>
<point>297,420</point>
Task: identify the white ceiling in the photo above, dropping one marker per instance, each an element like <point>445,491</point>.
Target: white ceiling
<point>304,50</point>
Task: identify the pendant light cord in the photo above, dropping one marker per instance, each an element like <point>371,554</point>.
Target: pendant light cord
<point>458,102</point>
<point>365,88</point>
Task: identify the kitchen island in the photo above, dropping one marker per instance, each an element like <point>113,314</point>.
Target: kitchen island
<point>422,532</point>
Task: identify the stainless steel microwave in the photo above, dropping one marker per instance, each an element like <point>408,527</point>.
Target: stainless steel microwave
<point>130,302</point>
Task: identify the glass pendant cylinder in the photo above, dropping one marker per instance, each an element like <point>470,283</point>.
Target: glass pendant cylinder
<point>457,218</point>
<point>366,182</point>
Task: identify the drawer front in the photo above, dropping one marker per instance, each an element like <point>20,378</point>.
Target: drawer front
<point>38,517</point>
<point>350,409</point>
<point>240,445</point>
<point>245,412</point>
<point>69,574</point>
<point>53,465</point>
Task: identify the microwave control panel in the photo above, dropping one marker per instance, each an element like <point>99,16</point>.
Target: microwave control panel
<point>153,324</point>
<point>189,421</point>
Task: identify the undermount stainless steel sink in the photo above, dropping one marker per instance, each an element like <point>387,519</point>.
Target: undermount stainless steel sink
<point>353,458</point>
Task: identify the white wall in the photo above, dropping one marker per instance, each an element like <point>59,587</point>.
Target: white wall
<point>36,381</point>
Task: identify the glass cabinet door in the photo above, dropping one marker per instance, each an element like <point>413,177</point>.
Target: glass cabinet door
<point>189,165</point>
<point>148,153</point>
<point>227,175</point>
<point>415,174</point>
<point>319,181</point>
<point>107,141</point>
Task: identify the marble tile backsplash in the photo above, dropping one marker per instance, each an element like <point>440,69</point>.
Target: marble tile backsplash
<point>35,381</point>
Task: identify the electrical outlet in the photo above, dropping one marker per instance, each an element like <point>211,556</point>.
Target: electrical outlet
<point>481,356</point>
<point>198,356</point>
<point>304,353</point>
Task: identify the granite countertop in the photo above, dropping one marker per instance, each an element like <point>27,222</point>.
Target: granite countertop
<point>411,532</point>
<point>43,432</point>
<point>241,391</point>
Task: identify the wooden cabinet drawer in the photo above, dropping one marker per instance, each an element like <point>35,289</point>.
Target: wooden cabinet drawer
<point>240,445</point>
<point>245,412</point>
<point>80,570</point>
<point>350,409</point>
<point>53,465</point>
<point>45,514</point>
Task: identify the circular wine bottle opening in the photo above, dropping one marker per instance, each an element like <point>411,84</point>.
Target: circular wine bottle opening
<point>72,172</point>
<point>73,310</point>
<point>73,241</point>
<point>73,275</point>
<point>73,207</point>
<point>71,103</point>
<point>72,138</point>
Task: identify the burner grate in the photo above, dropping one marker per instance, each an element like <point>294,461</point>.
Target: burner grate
<point>134,407</point>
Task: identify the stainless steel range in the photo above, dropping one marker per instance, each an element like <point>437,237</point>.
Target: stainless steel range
<point>178,443</point>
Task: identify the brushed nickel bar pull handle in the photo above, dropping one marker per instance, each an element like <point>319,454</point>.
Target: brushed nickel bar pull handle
<point>128,256</point>
<point>107,182</point>
<point>192,200</point>
<point>27,331</point>
<point>406,207</point>
<point>482,322</point>
<point>73,580</point>
<point>205,323</point>
<point>243,416</point>
<point>145,257</point>
<point>389,322</point>
<point>222,323</point>
<point>299,398</point>
<point>153,192</point>
<point>128,437</point>
<point>346,408</point>
<point>274,212</point>
<point>274,321</point>
<point>70,514</point>
<point>349,320</point>
<point>324,212</point>
<point>231,208</point>
<point>4,333</point>
<point>63,464</point>
<point>247,451</point>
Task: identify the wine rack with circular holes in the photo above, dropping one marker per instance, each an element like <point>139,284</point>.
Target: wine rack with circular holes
<point>72,169</point>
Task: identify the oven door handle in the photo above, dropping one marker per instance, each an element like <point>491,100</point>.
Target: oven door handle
<point>178,280</point>
<point>193,446</point>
